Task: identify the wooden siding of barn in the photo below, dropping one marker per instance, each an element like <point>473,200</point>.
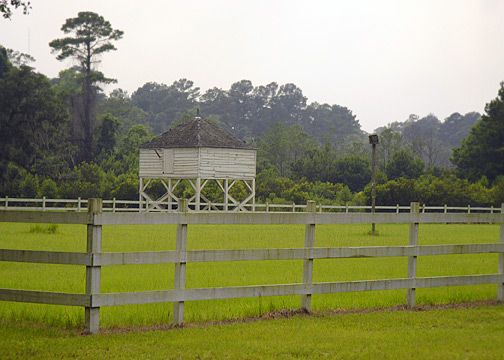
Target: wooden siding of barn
<point>184,163</point>
<point>218,163</point>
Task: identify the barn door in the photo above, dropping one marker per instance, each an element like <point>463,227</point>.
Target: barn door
<point>167,161</point>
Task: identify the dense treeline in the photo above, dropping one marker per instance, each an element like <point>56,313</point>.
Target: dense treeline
<point>65,137</point>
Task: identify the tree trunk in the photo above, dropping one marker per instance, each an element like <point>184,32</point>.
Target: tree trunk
<point>88,108</point>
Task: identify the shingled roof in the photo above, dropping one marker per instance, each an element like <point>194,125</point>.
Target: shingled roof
<point>198,132</point>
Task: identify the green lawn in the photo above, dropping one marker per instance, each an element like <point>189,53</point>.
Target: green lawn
<point>465,333</point>
<point>154,277</point>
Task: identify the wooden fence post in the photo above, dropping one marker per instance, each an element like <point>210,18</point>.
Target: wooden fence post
<point>6,202</point>
<point>412,260</point>
<point>43,203</point>
<point>180,267</point>
<point>309,243</point>
<point>94,237</point>
<point>500,289</point>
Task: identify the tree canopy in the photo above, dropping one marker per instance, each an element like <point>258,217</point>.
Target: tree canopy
<point>89,35</point>
<point>482,152</point>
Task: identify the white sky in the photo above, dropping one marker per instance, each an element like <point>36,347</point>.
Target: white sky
<point>382,59</point>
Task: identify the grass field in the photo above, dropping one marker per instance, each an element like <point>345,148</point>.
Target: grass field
<point>154,277</point>
<point>465,333</point>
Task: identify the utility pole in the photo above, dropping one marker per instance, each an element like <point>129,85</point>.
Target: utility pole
<point>373,140</point>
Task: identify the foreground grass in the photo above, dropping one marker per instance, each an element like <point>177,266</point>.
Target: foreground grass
<point>157,277</point>
<point>464,333</point>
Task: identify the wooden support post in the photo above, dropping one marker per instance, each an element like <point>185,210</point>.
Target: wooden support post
<point>43,203</point>
<point>197,205</point>
<point>79,204</point>
<point>309,243</point>
<point>140,191</point>
<point>170,199</point>
<point>468,209</point>
<point>6,202</point>
<point>180,267</point>
<point>445,209</point>
<point>397,208</point>
<point>500,289</point>
<point>94,237</point>
<point>114,204</point>
<point>226,193</point>
<point>412,260</point>
<point>253,195</point>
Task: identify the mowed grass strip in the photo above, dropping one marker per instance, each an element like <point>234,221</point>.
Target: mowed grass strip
<point>461,333</point>
<point>160,276</point>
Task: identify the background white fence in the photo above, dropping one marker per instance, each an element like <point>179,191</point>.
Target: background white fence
<point>94,258</point>
<point>115,205</point>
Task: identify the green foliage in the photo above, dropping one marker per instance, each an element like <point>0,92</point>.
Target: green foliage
<point>433,190</point>
<point>399,191</point>
<point>164,104</point>
<point>87,180</point>
<point>430,139</point>
<point>107,137</point>
<point>404,164</point>
<point>120,105</point>
<point>322,164</point>
<point>11,176</point>
<point>125,187</point>
<point>281,146</point>
<point>482,152</point>
<point>33,121</point>
<point>49,189</point>
<point>28,187</point>
<point>273,188</point>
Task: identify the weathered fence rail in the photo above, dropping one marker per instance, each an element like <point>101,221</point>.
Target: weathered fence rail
<point>94,258</point>
<point>116,205</point>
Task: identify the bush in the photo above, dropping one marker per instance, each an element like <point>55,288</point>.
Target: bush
<point>48,188</point>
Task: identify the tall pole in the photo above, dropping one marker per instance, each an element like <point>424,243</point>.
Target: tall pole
<point>373,140</point>
<point>373,186</point>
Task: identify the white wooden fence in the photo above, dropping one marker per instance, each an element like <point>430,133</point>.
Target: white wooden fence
<point>116,205</point>
<point>94,258</point>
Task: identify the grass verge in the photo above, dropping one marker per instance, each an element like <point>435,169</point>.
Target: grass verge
<point>447,333</point>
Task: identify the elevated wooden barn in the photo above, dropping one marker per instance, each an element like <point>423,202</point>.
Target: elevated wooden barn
<point>198,151</point>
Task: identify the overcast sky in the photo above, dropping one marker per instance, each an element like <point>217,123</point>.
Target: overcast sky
<point>382,59</point>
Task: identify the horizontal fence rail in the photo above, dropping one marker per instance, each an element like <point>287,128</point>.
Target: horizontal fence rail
<point>94,258</point>
<point>117,205</point>
<point>245,218</point>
